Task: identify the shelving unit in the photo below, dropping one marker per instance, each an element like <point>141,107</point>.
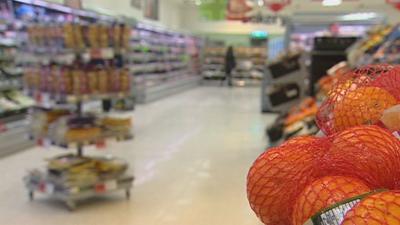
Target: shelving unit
<point>76,58</point>
<point>164,62</point>
<point>13,104</point>
<point>283,85</point>
<point>213,63</point>
<point>251,64</point>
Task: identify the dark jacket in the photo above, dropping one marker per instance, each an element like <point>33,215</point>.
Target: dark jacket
<point>230,61</point>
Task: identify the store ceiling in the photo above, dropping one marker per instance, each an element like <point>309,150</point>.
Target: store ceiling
<point>315,5</point>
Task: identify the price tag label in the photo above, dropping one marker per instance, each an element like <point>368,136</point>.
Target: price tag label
<point>46,188</point>
<point>100,188</point>
<point>74,190</point>
<point>46,143</point>
<point>95,54</point>
<point>45,100</point>
<point>101,144</point>
<point>107,53</point>
<point>111,185</point>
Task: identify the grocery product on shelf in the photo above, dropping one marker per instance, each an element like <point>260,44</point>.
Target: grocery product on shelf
<point>158,56</point>
<point>63,127</point>
<point>251,62</point>
<point>213,62</point>
<point>298,121</point>
<point>71,178</point>
<point>366,49</point>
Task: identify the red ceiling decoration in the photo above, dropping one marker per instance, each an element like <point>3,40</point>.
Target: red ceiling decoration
<point>276,5</point>
<point>237,10</point>
<point>394,3</point>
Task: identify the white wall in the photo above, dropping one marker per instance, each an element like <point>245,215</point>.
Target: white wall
<point>170,11</point>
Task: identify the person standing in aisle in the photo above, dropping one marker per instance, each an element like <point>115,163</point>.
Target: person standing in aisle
<point>230,64</point>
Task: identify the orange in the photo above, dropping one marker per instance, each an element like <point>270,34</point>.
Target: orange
<point>391,118</point>
<point>376,209</point>
<point>279,175</point>
<point>300,140</point>
<point>365,105</point>
<point>369,153</point>
<point>390,81</point>
<point>324,193</point>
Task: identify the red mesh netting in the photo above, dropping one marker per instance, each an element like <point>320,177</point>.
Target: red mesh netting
<point>279,175</point>
<point>378,209</point>
<point>369,153</point>
<point>359,98</point>
<point>324,193</point>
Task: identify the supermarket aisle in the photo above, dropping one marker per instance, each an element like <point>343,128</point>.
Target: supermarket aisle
<point>191,155</point>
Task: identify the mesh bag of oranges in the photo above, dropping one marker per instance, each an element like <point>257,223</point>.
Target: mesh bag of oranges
<point>279,175</point>
<point>359,98</point>
<point>306,175</point>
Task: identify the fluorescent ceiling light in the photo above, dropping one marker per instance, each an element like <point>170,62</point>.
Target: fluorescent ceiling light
<point>331,2</point>
<point>359,16</point>
<point>198,2</point>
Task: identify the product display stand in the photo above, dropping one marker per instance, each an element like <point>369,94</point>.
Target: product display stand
<point>283,84</point>
<point>72,68</point>
<point>38,182</point>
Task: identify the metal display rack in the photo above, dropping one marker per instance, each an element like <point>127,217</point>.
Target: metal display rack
<point>37,182</point>
<point>76,177</point>
<point>283,89</point>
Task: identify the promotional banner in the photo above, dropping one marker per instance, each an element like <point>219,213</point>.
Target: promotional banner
<point>213,9</point>
<point>151,9</point>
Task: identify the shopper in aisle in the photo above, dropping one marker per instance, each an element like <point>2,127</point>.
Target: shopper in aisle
<point>230,64</point>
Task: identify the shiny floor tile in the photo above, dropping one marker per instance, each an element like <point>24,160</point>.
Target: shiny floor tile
<point>190,157</point>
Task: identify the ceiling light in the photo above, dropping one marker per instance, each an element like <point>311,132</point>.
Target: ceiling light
<point>359,16</point>
<point>198,2</point>
<point>331,2</point>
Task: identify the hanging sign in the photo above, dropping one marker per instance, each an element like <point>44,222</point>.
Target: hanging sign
<point>237,10</point>
<point>394,3</point>
<point>213,9</point>
<point>276,5</point>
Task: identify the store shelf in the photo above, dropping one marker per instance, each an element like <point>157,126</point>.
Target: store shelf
<point>13,132</point>
<point>46,100</point>
<point>149,94</point>
<point>71,195</point>
<point>98,141</point>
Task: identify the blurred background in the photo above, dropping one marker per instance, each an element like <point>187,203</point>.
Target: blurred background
<point>152,111</point>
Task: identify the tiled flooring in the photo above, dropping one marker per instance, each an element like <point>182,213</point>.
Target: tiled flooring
<point>190,157</point>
